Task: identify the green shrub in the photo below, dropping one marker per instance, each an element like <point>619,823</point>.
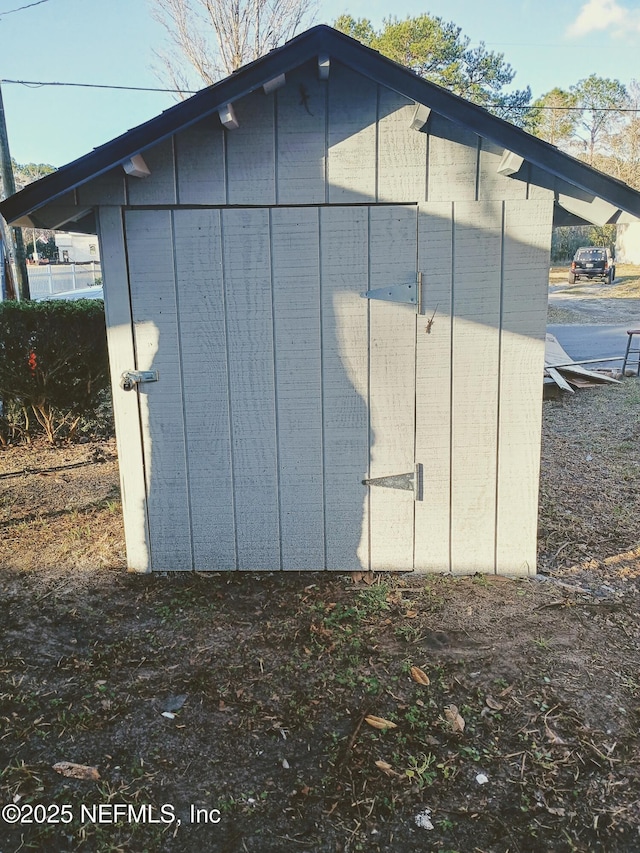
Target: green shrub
<point>53,362</point>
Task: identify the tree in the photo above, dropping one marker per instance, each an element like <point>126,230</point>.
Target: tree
<point>625,144</point>
<point>554,116</point>
<point>45,244</point>
<point>601,102</point>
<point>208,39</point>
<point>439,52</point>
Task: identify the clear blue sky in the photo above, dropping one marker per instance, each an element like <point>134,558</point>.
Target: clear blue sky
<point>549,43</point>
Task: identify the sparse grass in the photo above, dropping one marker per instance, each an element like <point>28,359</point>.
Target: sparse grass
<point>280,673</point>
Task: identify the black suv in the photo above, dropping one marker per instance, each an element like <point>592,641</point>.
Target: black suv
<point>592,262</point>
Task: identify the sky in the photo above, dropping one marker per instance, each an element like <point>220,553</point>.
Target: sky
<point>111,42</point>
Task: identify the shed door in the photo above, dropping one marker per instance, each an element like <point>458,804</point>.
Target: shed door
<point>281,388</point>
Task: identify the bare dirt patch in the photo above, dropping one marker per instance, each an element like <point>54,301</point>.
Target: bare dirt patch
<point>593,301</point>
<point>247,696</point>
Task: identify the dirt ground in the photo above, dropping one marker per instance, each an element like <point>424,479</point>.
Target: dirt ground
<point>593,301</point>
<point>261,713</point>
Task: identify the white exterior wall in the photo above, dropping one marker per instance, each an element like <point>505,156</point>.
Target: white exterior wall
<point>628,243</point>
<point>277,379</point>
<point>77,248</point>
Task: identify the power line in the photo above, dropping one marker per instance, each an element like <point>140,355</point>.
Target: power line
<point>20,8</point>
<point>38,83</point>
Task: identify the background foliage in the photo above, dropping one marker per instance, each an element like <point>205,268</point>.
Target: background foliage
<point>53,366</point>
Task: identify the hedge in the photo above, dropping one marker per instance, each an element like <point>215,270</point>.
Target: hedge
<point>53,363</point>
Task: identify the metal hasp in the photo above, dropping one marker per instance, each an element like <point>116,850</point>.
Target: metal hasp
<point>410,482</point>
<point>410,293</point>
<point>131,378</point>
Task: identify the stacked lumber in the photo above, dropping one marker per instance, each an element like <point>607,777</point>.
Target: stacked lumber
<point>561,369</point>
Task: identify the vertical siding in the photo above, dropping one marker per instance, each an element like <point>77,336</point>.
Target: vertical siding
<point>525,287</point>
<point>433,386</point>
<point>251,152</point>
<point>475,371</point>
<point>453,161</point>
<point>252,390</point>
<point>155,314</point>
<point>297,347</point>
<point>491,184</point>
<point>203,356</point>
<point>392,378</point>
<point>302,144</point>
<point>107,189</point>
<point>402,152</point>
<point>200,163</point>
<point>352,137</point>
<point>345,361</point>
<point>125,403</point>
<point>160,186</point>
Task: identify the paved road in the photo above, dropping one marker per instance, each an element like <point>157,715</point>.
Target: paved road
<point>587,341</point>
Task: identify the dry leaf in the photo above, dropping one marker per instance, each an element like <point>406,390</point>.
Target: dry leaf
<point>379,722</point>
<point>494,704</point>
<point>77,771</point>
<point>559,812</point>
<point>411,614</point>
<point>452,715</point>
<point>419,676</point>
<point>386,768</point>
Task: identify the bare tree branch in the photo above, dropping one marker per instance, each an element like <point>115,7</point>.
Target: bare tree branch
<point>207,39</point>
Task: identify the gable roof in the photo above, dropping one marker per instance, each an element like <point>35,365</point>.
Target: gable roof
<point>319,41</point>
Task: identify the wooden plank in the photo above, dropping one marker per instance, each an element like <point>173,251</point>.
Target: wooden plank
<point>205,387</point>
<point>251,151</point>
<point>433,387</point>
<point>296,311</point>
<point>492,184</point>
<point>109,188</point>
<point>476,349</point>
<point>559,379</point>
<point>453,161</point>
<point>125,404</point>
<point>301,149</point>
<point>200,163</point>
<point>345,365</point>
<point>556,356</point>
<point>527,241</point>
<point>160,186</point>
<point>392,365</point>
<point>351,136</point>
<point>154,303</point>
<point>402,152</point>
<point>248,300</point>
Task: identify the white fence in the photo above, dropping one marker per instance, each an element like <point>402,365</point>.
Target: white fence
<point>48,279</point>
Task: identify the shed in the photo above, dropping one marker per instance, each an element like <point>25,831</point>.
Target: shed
<point>326,290</point>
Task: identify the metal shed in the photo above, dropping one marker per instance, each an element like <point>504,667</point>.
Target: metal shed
<point>326,290</point>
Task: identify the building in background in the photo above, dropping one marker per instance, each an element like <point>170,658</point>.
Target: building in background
<point>77,248</point>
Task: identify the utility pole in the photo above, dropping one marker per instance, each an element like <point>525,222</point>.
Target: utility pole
<point>8,188</point>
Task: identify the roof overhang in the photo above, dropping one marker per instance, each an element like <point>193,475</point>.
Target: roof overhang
<point>320,41</point>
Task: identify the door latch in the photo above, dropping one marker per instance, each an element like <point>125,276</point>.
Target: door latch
<point>131,378</point>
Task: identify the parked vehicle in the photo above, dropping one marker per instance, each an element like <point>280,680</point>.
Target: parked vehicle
<point>593,262</point>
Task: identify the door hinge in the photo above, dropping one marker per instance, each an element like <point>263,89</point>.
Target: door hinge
<point>409,293</point>
<point>409,482</point>
<point>131,378</point>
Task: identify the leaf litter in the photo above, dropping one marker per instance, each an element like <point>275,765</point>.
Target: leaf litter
<point>541,671</point>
